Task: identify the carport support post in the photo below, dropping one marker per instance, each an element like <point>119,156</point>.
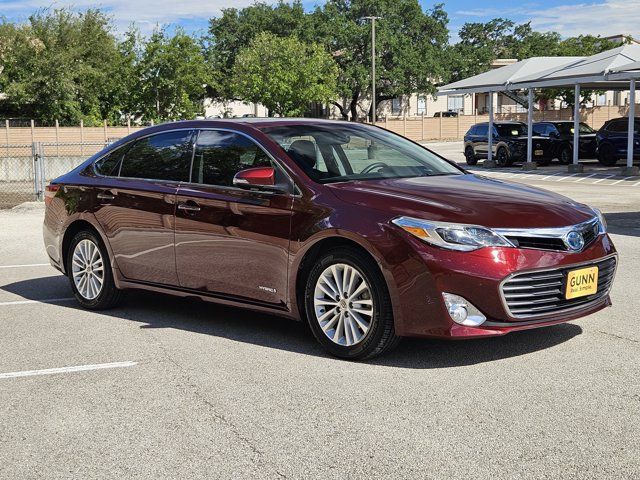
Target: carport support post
<point>529,165</point>
<point>575,167</point>
<point>630,170</point>
<point>489,163</point>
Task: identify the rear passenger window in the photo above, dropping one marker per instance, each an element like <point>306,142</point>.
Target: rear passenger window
<point>473,130</point>
<point>108,165</point>
<point>165,156</point>
<point>482,130</point>
<point>220,155</point>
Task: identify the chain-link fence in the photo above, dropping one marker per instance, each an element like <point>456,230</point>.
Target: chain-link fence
<point>26,169</point>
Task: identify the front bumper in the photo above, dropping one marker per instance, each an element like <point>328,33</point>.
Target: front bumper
<point>478,276</point>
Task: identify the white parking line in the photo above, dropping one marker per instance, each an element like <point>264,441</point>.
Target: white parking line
<point>45,300</point>
<point>27,265</point>
<point>80,368</point>
<point>552,175</point>
<point>615,183</point>
<point>603,179</point>
<point>568,176</point>
<point>588,176</point>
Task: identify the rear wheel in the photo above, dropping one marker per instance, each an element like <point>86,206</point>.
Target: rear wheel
<point>565,156</point>
<point>470,156</point>
<point>89,272</point>
<point>348,305</point>
<point>503,159</point>
<point>607,155</point>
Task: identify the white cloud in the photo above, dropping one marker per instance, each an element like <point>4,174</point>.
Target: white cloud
<point>146,13</point>
<point>609,17</point>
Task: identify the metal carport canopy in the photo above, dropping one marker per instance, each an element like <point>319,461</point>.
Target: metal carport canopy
<point>592,72</point>
<point>500,80</point>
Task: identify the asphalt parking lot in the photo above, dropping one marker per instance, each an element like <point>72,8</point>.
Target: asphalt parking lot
<point>168,388</point>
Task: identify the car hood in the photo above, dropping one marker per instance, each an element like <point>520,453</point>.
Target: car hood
<point>471,199</point>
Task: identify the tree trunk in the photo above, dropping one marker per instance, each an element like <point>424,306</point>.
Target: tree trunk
<point>353,105</point>
<point>345,115</point>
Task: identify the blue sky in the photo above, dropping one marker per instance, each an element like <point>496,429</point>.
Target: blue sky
<point>569,17</point>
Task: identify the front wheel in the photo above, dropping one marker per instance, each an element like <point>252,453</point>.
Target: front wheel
<point>89,272</point>
<point>470,156</point>
<point>348,305</point>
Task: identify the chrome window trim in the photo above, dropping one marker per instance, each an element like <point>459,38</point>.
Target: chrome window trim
<point>558,267</point>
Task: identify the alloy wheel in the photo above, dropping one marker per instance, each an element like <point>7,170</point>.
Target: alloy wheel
<point>88,269</point>
<point>343,304</point>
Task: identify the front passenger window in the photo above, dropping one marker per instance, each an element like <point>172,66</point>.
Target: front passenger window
<point>220,155</point>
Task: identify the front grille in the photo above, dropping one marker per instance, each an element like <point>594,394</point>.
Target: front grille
<point>538,242</point>
<point>543,292</point>
<point>552,239</point>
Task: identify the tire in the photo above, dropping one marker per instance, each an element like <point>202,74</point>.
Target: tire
<point>97,291</point>
<point>503,159</point>
<point>607,155</point>
<point>336,337</point>
<point>470,156</point>
<point>565,155</point>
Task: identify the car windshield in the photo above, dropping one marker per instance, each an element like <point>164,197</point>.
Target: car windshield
<point>567,128</point>
<point>335,153</point>
<point>511,130</point>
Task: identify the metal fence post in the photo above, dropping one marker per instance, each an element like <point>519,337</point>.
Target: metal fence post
<point>35,154</point>
<point>43,170</point>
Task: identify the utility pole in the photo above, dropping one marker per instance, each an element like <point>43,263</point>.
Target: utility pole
<point>373,66</point>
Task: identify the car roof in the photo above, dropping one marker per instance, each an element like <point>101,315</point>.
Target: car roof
<point>502,122</point>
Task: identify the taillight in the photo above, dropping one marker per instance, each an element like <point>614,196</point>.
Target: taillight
<point>50,192</point>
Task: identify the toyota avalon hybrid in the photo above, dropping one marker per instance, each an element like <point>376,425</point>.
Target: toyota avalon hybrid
<point>361,233</point>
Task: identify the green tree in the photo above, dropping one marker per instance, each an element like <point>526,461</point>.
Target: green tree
<point>60,65</point>
<point>235,29</point>
<point>409,44</point>
<point>284,74</point>
<point>172,77</point>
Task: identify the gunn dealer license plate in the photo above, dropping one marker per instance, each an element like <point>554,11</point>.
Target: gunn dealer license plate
<point>582,282</point>
<point>538,153</point>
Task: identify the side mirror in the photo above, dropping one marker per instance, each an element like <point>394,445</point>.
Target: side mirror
<point>261,178</point>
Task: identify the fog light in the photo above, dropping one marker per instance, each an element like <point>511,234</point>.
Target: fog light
<point>462,311</point>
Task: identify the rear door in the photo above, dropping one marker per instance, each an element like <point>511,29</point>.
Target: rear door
<point>481,140</point>
<point>135,205</point>
<point>231,241</point>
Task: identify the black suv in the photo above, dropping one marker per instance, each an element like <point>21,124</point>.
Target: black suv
<point>509,144</point>
<point>612,140</point>
<point>560,135</point>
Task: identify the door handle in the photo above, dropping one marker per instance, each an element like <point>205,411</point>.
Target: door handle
<point>189,207</point>
<point>105,196</point>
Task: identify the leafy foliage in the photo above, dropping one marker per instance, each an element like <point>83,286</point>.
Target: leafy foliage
<point>284,74</point>
<point>72,66</point>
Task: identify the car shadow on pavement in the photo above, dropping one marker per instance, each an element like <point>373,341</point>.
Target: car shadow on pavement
<point>162,311</point>
<point>623,223</point>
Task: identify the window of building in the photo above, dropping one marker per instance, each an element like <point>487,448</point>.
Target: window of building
<point>396,106</point>
<point>422,105</point>
<point>455,103</point>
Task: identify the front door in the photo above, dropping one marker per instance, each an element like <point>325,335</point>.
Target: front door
<point>231,241</point>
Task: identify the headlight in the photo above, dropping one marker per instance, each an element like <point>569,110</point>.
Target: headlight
<point>602,222</point>
<point>452,235</point>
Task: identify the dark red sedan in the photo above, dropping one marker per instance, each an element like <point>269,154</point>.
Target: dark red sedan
<point>362,233</point>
